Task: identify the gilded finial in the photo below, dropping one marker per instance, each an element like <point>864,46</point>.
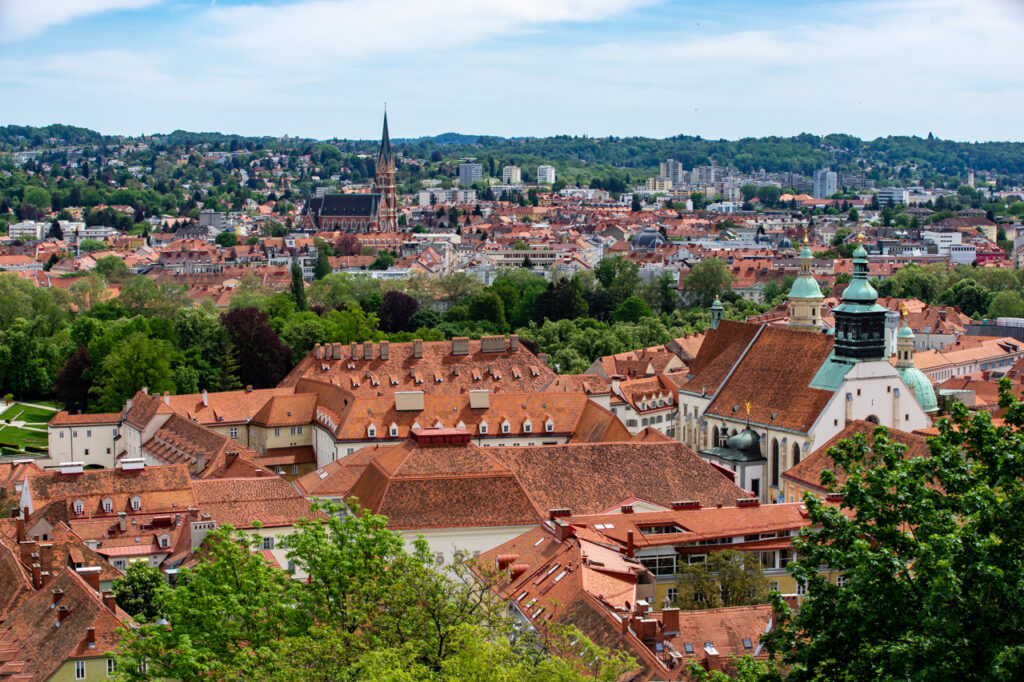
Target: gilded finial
<point>903,311</point>
<point>747,405</point>
<point>805,236</point>
<point>860,238</point>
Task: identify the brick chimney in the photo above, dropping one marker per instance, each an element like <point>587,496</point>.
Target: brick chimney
<point>109,602</point>
<point>670,620</point>
<point>28,550</point>
<point>711,658</point>
<point>91,575</point>
<point>46,557</point>
<point>62,613</point>
<point>355,350</point>
<point>383,350</point>
<point>122,521</point>
<point>19,530</point>
<point>37,576</point>
<point>417,348</point>
<point>563,531</point>
<point>57,596</point>
<point>629,543</point>
<point>90,638</point>
<point>368,351</point>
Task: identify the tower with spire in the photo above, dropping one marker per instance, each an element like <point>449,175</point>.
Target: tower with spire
<point>914,378</point>
<point>805,297</point>
<point>384,184</point>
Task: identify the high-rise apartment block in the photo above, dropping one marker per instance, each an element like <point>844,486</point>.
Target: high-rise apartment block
<point>511,175</point>
<point>674,171</point>
<point>546,174</point>
<point>825,182</point>
<point>470,173</point>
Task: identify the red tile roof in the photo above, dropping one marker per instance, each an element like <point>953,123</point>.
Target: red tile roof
<point>271,501</point>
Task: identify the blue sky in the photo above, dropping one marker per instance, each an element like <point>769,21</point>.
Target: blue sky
<point>324,68</point>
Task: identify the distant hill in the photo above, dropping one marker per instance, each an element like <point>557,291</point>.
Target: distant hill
<point>900,158</point>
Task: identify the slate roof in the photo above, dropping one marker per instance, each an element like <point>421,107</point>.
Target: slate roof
<point>343,205</point>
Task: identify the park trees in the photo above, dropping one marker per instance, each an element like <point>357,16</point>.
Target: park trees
<point>706,280</point>
<point>262,359</point>
<point>725,578</point>
<point>929,549</point>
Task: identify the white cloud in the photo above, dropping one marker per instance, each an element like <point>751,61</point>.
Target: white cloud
<point>26,18</point>
<point>308,35</point>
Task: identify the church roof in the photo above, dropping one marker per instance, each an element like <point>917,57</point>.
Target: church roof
<point>385,142</point>
<point>353,205</point>
<point>916,381</point>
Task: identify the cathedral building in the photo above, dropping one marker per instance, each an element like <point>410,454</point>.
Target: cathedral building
<point>375,212</point>
<point>759,398</point>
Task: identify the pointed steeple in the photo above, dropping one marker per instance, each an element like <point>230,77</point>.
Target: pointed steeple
<point>385,142</point>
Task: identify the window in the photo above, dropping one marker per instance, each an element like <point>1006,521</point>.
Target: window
<point>233,432</point>
<point>87,451</point>
<point>483,428</point>
<point>108,505</point>
<point>688,647</point>
<point>61,434</point>
<point>506,427</point>
<point>371,431</point>
<point>79,670</point>
<point>165,541</point>
<point>527,427</point>
<point>88,433</point>
<point>268,543</point>
<point>111,667</point>
<point>671,594</point>
<point>774,585</point>
<point>277,431</point>
<point>747,644</point>
<point>295,470</point>
<point>549,426</point>
<point>841,581</point>
<point>801,587</point>
<point>79,507</point>
<point>393,431</point>
<point>74,434</point>
<point>136,503</point>
<point>630,422</point>
<point>660,565</point>
<point>439,558</point>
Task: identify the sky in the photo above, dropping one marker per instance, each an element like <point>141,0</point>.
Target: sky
<point>326,68</point>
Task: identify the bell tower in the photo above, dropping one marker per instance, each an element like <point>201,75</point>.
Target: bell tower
<point>804,296</point>
<point>384,184</point>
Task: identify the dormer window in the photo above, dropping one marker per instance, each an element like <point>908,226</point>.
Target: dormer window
<point>527,426</point>
<point>549,426</point>
<point>393,430</point>
<point>136,503</point>
<point>416,426</point>
<point>371,431</point>
<point>165,541</point>
<point>438,424</point>
<point>483,428</point>
<point>506,427</point>
<point>108,505</point>
<point>79,507</point>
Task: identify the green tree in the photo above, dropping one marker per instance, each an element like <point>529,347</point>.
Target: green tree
<point>140,590</point>
<point>227,239</point>
<point>487,305</point>
<point>323,260</point>
<point>1006,304</point>
<point>769,195</point>
<point>633,309</point>
<point>928,547</point>
<point>383,261</point>
<point>749,191</point>
<point>298,287</point>
<point>969,296</point>
<point>635,207</point>
<point>37,197</point>
<point>563,299</point>
<point>706,280</point>
<point>139,361</point>
<point>91,245</point>
<point>725,578</point>
<point>853,215</point>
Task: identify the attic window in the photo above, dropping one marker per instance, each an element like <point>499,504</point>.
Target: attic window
<point>108,505</point>
<point>747,644</point>
<point>506,427</point>
<point>371,431</point>
<point>527,426</point>
<point>165,541</point>
<point>136,503</point>
<point>393,430</point>
<point>416,426</point>
<point>79,507</point>
<point>549,426</point>
<point>688,647</point>
<point>483,428</point>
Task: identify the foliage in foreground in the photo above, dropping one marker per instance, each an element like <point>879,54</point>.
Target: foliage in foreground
<point>931,548</point>
<point>369,610</point>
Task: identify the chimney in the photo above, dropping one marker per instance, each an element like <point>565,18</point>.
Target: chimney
<point>122,521</point>
<point>167,397</point>
<point>563,531</point>
<point>355,350</point>
<point>517,570</point>
<point>629,543</point>
<point>108,601</point>
<point>90,638</point>
<point>145,389</point>
<point>20,530</point>
<point>46,557</point>
<point>626,509</point>
<point>460,345</point>
<point>62,613</point>
<point>248,388</point>
<point>91,575</point>
<point>25,515</point>
<point>318,352</point>
<point>37,576</point>
<point>417,348</point>
<point>505,560</point>
<point>711,660</point>
<point>206,401</point>
<point>57,596</point>
<point>383,350</point>
<point>200,462</point>
<point>670,619</point>
<point>368,351</point>
<point>28,550</point>
<point>513,342</point>
<point>685,504</point>
<point>641,607</point>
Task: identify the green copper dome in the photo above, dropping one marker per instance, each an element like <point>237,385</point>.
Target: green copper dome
<point>805,287</point>
<point>746,441</point>
<point>905,332</point>
<point>860,252</point>
<point>717,305</point>
<point>917,382</point>
<point>806,252</point>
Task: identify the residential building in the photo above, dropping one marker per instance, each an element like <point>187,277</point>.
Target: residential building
<point>470,172</point>
<point>891,196</point>
<point>674,171</point>
<point>511,175</point>
<point>92,439</point>
<point>825,183</point>
<point>545,174</point>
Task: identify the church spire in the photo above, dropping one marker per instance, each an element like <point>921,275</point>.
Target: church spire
<point>385,142</point>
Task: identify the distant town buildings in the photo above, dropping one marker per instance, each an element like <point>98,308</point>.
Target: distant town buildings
<point>470,172</point>
<point>825,183</point>
<point>511,175</point>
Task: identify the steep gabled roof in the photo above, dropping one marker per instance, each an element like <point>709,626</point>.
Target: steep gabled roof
<point>721,349</point>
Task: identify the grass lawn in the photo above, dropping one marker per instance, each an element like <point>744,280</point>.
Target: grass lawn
<point>32,415</point>
<point>10,435</point>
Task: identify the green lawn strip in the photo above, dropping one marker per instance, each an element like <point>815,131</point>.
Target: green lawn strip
<point>11,435</point>
<point>33,415</point>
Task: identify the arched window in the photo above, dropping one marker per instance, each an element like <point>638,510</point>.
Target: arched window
<point>136,503</point>
<point>714,437</point>
<point>79,507</point>
<point>873,419</point>
<point>796,454</point>
<point>775,462</point>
